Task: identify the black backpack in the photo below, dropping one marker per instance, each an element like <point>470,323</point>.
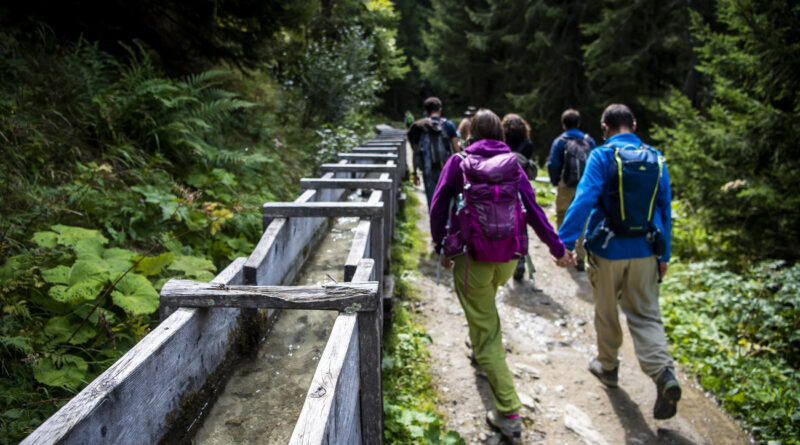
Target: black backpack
<point>576,151</point>
<point>434,143</point>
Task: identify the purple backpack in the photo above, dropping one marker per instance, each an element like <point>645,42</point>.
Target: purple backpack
<point>490,214</point>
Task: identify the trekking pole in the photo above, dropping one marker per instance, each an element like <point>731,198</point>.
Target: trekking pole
<point>438,268</point>
<point>529,263</point>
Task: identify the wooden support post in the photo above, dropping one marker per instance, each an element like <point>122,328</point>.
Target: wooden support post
<point>377,247</point>
<point>371,388</point>
<point>370,326</point>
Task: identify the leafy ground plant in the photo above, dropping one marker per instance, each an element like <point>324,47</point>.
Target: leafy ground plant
<point>741,335</point>
<point>408,398</point>
<point>71,307</point>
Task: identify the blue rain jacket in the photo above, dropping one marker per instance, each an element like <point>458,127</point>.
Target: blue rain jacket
<point>586,204</point>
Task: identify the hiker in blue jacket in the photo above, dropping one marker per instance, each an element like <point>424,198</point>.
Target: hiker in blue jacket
<point>625,269</point>
<point>565,192</point>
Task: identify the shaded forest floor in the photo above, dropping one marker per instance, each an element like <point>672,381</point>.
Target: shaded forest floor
<point>549,337</point>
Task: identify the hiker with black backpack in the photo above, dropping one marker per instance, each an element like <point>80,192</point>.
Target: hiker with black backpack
<point>625,194</point>
<point>478,216</point>
<point>433,139</point>
<point>517,132</point>
<point>565,165</point>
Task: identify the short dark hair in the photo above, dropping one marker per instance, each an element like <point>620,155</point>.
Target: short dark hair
<point>515,129</point>
<point>485,125</point>
<point>432,104</point>
<point>616,116</point>
<point>571,118</point>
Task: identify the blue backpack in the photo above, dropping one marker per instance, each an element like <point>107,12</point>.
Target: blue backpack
<point>630,198</point>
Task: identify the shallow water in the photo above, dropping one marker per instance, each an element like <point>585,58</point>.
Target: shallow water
<point>263,398</point>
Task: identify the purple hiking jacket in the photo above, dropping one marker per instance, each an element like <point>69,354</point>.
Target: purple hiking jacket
<point>451,183</point>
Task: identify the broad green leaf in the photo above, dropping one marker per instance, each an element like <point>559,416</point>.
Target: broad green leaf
<point>58,293</point>
<point>168,209</point>
<point>9,270</point>
<point>194,267</point>
<point>86,279</point>
<point>90,249</point>
<point>45,239</point>
<point>70,236</point>
<point>87,271</point>
<point>60,329</point>
<point>117,261</point>
<point>154,265</point>
<point>56,275</point>
<point>69,374</point>
<point>135,295</point>
<point>14,413</point>
<point>415,431</point>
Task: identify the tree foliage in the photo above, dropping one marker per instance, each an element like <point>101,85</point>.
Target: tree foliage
<point>737,159</point>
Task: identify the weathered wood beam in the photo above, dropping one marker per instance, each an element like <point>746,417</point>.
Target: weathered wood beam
<point>367,157</point>
<point>342,183</point>
<point>365,270</point>
<point>326,209</point>
<point>358,249</point>
<point>366,168</point>
<point>331,406</point>
<point>340,297</point>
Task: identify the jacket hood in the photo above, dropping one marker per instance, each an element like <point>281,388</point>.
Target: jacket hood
<point>488,148</point>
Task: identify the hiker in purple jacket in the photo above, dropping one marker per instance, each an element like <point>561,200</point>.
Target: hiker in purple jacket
<point>482,259</point>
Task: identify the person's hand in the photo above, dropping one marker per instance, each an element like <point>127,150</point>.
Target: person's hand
<point>415,178</point>
<point>567,260</point>
<point>662,268</point>
<point>446,262</point>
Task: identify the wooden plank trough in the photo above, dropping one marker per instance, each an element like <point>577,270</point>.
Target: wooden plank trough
<point>139,397</point>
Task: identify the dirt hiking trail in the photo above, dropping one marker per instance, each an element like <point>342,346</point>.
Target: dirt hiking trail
<point>549,338</point>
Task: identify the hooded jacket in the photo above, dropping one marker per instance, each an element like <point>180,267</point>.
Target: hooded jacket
<point>451,183</point>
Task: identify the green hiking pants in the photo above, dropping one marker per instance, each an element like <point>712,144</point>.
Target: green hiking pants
<point>484,325</point>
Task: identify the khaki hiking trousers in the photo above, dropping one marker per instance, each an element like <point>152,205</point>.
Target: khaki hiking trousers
<point>564,197</point>
<point>633,285</point>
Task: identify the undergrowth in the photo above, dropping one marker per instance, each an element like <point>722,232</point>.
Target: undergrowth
<point>740,334</point>
<point>113,179</point>
<point>544,193</point>
<point>409,400</point>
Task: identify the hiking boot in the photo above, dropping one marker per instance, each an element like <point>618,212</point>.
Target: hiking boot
<point>519,272</point>
<point>608,378</point>
<point>511,428</point>
<point>669,392</point>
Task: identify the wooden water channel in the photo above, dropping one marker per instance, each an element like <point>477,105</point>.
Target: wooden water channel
<point>136,400</point>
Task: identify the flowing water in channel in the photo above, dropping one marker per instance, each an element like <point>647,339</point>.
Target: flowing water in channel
<point>263,398</point>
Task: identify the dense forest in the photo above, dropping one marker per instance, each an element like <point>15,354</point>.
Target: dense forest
<point>140,138</point>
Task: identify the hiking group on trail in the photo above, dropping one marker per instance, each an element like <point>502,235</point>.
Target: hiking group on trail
<point>612,200</point>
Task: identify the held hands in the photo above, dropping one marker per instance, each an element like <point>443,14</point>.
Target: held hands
<point>567,260</point>
<point>446,262</point>
<point>415,178</point>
